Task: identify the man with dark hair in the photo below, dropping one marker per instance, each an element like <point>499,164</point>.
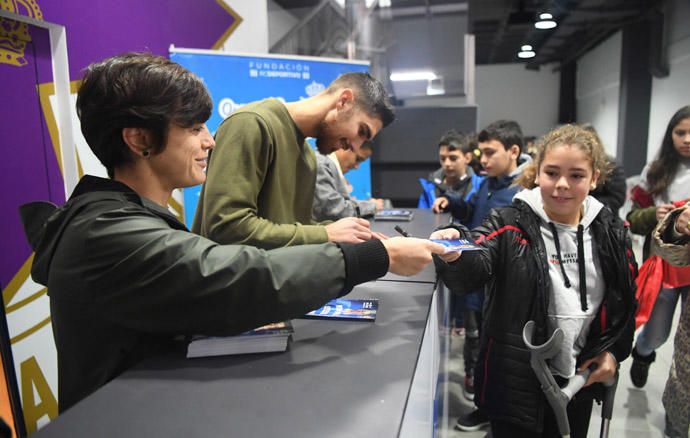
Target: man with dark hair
<point>332,199</point>
<point>501,145</point>
<point>261,178</point>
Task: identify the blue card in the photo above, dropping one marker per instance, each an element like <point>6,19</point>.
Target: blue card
<point>456,244</point>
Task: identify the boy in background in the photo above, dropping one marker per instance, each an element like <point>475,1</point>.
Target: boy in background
<point>332,199</point>
<point>455,176</point>
<point>501,146</point>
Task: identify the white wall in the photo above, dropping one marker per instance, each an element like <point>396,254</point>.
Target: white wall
<point>509,91</point>
<point>598,90</point>
<point>672,92</point>
<point>252,33</point>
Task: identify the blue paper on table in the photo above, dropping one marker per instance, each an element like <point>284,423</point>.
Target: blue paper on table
<point>347,309</point>
<point>456,244</point>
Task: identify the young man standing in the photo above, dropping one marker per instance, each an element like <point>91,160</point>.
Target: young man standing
<point>501,145</point>
<point>261,178</point>
<point>332,199</point>
<point>455,177</point>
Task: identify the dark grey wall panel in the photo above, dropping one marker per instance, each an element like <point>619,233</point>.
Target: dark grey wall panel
<point>414,135</point>
<point>408,149</point>
<point>635,98</point>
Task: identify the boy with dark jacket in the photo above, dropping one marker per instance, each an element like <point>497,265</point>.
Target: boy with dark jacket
<point>501,145</point>
<point>455,176</point>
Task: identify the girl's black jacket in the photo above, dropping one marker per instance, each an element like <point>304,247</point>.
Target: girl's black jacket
<point>512,267</point>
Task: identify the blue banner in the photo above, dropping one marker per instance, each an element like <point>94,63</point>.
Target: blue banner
<point>235,80</point>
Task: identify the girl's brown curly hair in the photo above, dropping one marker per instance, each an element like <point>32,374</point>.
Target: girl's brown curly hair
<point>567,135</point>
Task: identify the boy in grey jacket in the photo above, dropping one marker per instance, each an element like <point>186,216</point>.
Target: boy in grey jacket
<point>332,199</point>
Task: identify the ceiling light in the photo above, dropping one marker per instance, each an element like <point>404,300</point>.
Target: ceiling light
<point>367,3</point>
<point>384,3</point>
<point>526,48</point>
<point>435,87</point>
<point>546,21</point>
<point>526,54</point>
<point>419,75</point>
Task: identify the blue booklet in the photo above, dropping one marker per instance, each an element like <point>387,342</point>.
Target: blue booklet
<point>456,244</point>
<point>346,309</point>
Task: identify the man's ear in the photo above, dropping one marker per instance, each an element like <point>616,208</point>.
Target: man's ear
<point>138,141</point>
<point>468,157</point>
<point>515,151</point>
<point>346,99</point>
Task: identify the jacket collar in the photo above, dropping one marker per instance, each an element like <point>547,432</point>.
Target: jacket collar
<point>90,183</point>
<point>90,186</point>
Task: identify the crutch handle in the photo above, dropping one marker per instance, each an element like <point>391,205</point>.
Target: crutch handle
<point>576,383</point>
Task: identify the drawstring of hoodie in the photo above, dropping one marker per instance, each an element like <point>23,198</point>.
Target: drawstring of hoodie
<point>566,280</point>
<point>581,267</point>
<point>580,262</point>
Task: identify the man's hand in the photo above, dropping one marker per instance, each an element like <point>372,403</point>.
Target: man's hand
<point>447,234</point>
<point>440,204</point>
<point>408,255</point>
<point>349,230</point>
<point>683,222</point>
<point>662,209</point>
<point>605,369</point>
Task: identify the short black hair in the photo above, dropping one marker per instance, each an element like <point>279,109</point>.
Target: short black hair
<point>137,90</point>
<point>370,95</point>
<point>455,140</point>
<point>507,132</point>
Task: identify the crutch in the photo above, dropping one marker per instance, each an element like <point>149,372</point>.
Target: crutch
<point>557,397</point>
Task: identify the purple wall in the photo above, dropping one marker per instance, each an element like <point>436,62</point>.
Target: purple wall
<point>95,29</point>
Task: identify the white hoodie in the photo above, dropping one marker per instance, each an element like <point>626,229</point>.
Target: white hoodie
<point>567,308</point>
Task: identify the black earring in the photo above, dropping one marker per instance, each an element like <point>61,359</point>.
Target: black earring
<point>145,153</point>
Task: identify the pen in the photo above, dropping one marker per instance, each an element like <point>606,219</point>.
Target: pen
<point>399,229</point>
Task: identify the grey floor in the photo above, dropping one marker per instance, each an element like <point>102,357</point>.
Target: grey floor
<point>637,413</point>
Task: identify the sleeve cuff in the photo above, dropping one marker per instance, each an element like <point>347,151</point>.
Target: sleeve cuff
<point>672,235</point>
<point>363,262</point>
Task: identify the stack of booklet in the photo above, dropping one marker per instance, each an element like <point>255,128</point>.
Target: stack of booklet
<point>269,338</point>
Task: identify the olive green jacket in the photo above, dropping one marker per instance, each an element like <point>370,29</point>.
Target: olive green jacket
<point>260,182</point>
